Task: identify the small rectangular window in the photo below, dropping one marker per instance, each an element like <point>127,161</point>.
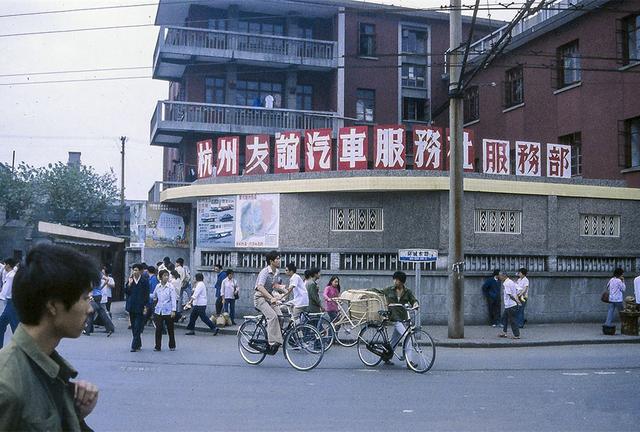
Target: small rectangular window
<point>575,141</point>
<point>214,89</point>
<point>414,75</point>
<point>414,41</point>
<point>356,219</point>
<point>568,58</point>
<point>594,225</point>
<point>471,104</point>
<point>498,221</point>
<point>367,40</point>
<point>514,87</point>
<point>365,105</point>
<point>304,97</point>
<point>632,142</point>
<point>415,109</point>
<point>631,39</point>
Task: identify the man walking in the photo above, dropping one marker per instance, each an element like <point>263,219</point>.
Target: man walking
<point>218,286</point>
<point>491,292</point>
<point>199,309</point>
<point>9,316</point>
<point>511,305</point>
<point>51,295</point>
<point>138,297</point>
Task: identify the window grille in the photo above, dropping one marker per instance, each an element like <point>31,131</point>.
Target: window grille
<point>498,221</point>
<point>356,219</point>
<point>595,264</point>
<point>592,225</point>
<point>509,263</point>
<point>377,261</point>
<point>302,260</point>
<point>211,258</point>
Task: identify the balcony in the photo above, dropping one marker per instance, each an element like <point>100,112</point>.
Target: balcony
<point>173,120</point>
<point>178,47</point>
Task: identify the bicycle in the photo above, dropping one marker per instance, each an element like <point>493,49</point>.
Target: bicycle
<point>346,328</point>
<point>303,345</point>
<point>322,324</point>
<point>418,348</point>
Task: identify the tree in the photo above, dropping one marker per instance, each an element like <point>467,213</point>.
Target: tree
<point>19,191</point>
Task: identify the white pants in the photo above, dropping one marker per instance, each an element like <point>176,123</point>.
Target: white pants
<point>398,331</point>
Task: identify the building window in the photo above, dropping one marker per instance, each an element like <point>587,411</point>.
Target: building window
<point>414,41</point>
<point>631,39</point>
<point>575,141</point>
<point>498,221</point>
<point>365,105</point>
<point>415,109</point>
<point>305,29</point>
<point>471,104</point>
<point>568,57</point>
<point>214,90</point>
<point>356,219</point>
<point>514,87</point>
<point>594,225</point>
<point>304,97</point>
<point>253,93</point>
<point>257,27</point>
<point>414,76</point>
<point>631,156</point>
<point>367,40</point>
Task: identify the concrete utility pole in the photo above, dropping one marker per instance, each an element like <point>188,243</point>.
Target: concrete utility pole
<point>456,258</point>
<point>123,139</point>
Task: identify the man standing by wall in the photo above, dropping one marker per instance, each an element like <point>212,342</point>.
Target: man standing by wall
<point>491,292</point>
<point>8,315</point>
<point>138,298</point>
<point>523,294</point>
<point>221,275</point>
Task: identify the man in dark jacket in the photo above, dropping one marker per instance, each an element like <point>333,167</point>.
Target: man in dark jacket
<point>313,291</point>
<point>137,298</point>
<point>491,292</point>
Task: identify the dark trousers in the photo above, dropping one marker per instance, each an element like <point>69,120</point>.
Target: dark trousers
<point>9,317</point>
<point>101,312</point>
<point>218,305</point>
<point>230,308</point>
<point>137,324</point>
<point>520,315</point>
<point>200,312</point>
<point>510,317</point>
<point>168,321</point>
<point>493,306</point>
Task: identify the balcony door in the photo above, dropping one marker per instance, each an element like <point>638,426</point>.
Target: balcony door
<point>214,88</point>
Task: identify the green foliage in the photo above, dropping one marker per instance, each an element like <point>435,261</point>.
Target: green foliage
<point>71,195</point>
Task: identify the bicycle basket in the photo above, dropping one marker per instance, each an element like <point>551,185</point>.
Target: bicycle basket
<point>364,305</point>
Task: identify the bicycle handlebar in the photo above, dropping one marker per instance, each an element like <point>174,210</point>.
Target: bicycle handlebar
<point>406,307</point>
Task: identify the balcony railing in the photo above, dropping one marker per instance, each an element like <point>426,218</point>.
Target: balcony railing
<point>174,116</point>
<point>206,43</point>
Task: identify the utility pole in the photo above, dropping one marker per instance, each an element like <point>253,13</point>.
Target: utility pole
<point>13,163</point>
<point>456,259</point>
<point>123,139</point>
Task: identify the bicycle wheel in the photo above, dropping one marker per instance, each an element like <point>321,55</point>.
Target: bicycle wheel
<point>370,335</point>
<point>419,351</point>
<point>252,342</point>
<point>303,347</point>
<point>326,329</point>
<point>347,335</point>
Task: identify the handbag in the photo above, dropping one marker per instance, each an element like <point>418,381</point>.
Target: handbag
<point>236,295</point>
<point>604,297</point>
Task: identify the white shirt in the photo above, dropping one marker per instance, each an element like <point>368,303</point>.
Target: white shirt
<point>177,284</point>
<point>200,294</point>
<point>227,287</point>
<point>636,288</point>
<point>523,284</point>
<point>616,290</point>
<point>268,101</point>
<point>7,285</point>
<point>166,296</point>
<point>106,289</point>
<point>300,295</point>
<point>510,287</point>
<point>182,274</point>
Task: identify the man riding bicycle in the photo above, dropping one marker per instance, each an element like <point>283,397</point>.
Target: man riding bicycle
<point>265,299</point>
<point>398,294</point>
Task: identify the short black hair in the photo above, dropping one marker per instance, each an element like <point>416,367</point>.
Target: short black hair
<point>523,270</point>
<point>618,272</point>
<point>199,277</point>
<point>292,267</point>
<point>401,276</point>
<point>162,273</point>
<point>229,271</point>
<point>271,256</point>
<point>159,263</point>
<point>171,266</point>
<point>136,265</point>
<point>175,274</point>
<point>307,274</point>
<point>10,262</point>
<point>180,261</point>
<point>218,265</point>
<point>313,271</point>
<point>52,272</point>
<point>144,265</point>
<point>166,260</point>
<point>152,270</point>
<point>496,272</point>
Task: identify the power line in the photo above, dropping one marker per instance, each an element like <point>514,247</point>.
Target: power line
<point>76,80</point>
<point>76,71</point>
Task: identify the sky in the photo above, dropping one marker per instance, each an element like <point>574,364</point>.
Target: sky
<point>43,121</point>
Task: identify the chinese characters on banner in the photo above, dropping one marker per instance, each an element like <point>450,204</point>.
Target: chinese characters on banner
<point>495,157</point>
<point>353,146</point>
<point>287,152</point>
<point>390,149</point>
<point>257,154</point>
<point>469,153</point>
<point>205,158</point>
<point>558,161</point>
<point>427,148</point>
<point>317,144</point>
<point>528,156</point>
<point>228,156</point>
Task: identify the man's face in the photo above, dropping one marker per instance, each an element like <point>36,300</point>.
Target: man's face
<point>217,269</point>
<point>136,272</point>
<point>288,272</point>
<point>7,267</point>
<point>397,283</point>
<point>519,275</point>
<point>70,323</point>
<point>165,278</point>
<point>502,277</point>
<point>230,276</point>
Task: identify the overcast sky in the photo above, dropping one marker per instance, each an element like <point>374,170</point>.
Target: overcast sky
<point>43,122</point>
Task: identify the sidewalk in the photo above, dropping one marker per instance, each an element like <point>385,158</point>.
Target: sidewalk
<point>485,336</point>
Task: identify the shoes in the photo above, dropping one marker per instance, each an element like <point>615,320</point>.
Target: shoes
<point>190,333</point>
<point>84,332</point>
<point>389,363</point>
<point>216,331</point>
<point>156,349</point>
<point>172,349</point>
<point>273,349</point>
<point>516,337</point>
<point>502,335</point>
<point>135,349</point>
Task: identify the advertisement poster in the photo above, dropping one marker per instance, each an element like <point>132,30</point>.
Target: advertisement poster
<point>258,221</point>
<point>137,224</point>
<point>216,222</point>
<point>167,225</point>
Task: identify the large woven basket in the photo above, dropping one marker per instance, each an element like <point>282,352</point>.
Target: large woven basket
<point>364,304</point>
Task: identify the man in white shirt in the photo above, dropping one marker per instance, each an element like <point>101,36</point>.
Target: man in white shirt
<point>199,309</point>
<point>616,295</point>
<point>297,285</point>
<point>228,291</point>
<point>523,294</point>
<point>165,310</point>
<point>9,315</point>
<point>511,304</point>
<point>636,289</point>
<point>265,300</point>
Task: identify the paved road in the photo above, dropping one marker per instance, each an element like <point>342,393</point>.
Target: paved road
<point>205,385</point>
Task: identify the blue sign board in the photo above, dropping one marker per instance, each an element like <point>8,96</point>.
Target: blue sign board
<point>417,255</point>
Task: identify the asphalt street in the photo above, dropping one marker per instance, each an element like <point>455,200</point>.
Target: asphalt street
<point>205,385</point>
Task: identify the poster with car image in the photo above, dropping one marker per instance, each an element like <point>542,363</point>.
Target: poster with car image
<point>216,221</point>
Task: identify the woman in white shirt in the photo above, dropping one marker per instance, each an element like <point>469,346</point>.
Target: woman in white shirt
<point>616,294</point>
<point>165,311</point>
<point>199,310</point>
<point>229,290</point>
